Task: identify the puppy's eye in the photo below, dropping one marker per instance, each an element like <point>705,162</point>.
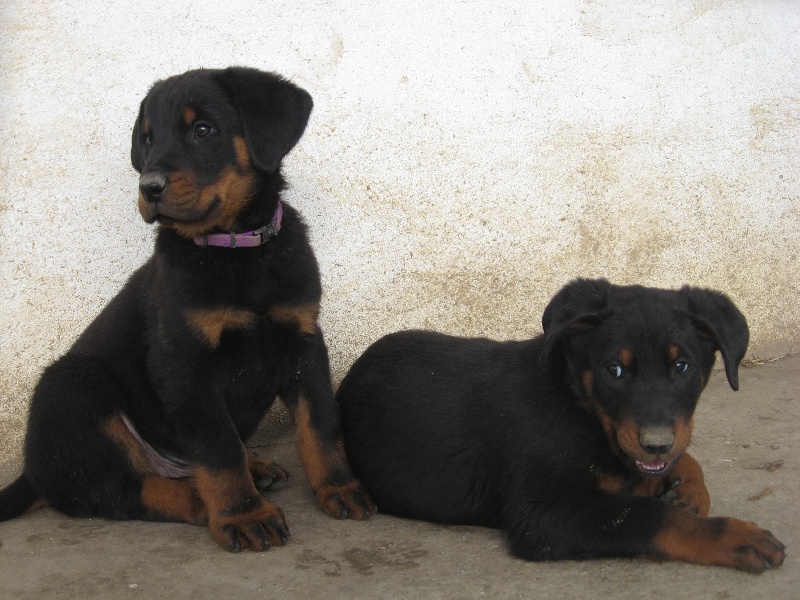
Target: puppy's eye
<point>681,367</point>
<point>202,130</point>
<point>615,371</point>
<point>147,139</point>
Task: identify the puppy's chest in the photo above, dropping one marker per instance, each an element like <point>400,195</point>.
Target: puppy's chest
<point>260,330</point>
<point>253,351</point>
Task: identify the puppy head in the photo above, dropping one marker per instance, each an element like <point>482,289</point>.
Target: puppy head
<point>639,358</point>
<point>206,139</point>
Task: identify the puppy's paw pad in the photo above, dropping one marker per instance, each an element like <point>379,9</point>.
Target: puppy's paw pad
<point>266,475</point>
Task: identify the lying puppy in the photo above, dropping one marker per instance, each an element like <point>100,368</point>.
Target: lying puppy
<point>571,441</point>
<point>146,415</point>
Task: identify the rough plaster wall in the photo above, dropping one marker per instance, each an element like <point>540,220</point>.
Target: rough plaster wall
<point>464,159</point>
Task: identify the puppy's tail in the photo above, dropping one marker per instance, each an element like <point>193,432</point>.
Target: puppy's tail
<point>18,498</point>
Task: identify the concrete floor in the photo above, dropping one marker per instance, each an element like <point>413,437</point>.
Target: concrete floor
<point>740,439</point>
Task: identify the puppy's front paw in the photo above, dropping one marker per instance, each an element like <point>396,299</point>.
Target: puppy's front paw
<point>751,548</point>
<point>266,475</point>
<point>691,495</point>
<point>256,529</point>
<point>349,500</point>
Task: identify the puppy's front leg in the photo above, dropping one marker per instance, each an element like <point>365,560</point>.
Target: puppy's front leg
<point>238,516</point>
<point>684,487</point>
<point>593,524</point>
<point>319,437</point>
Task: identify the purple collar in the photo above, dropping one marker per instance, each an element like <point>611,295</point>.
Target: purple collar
<point>248,239</point>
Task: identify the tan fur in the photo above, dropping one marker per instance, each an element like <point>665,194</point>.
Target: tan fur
<point>304,316</point>
<point>211,323</point>
<point>117,431</point>
<point>189,115</point>
<point>173,499</point>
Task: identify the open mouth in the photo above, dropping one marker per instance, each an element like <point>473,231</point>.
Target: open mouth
<point>653,469</point>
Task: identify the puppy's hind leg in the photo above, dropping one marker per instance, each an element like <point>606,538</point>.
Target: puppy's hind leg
<point>70,460</point>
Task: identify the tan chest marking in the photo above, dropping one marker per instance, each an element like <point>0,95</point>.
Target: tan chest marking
<point>211,323</point>
<point>304,316</point>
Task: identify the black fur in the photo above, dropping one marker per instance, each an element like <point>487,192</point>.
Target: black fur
<point>566,440</point>
<point>190,396</point>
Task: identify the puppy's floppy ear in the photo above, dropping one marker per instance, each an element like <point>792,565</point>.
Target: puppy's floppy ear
<point>274,113</point>
<point>579,305</point>
<point>137,143</point>
<point>717,318</point>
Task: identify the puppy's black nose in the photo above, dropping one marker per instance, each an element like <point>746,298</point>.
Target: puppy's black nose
<point>656,440</point>
<point>152,185</point>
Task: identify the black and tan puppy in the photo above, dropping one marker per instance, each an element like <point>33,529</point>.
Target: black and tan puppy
<point>573,442</point>
<point>146,415</point>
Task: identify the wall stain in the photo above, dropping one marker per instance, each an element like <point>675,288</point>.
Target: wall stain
<point>775,115</point>
<point>628,23</point>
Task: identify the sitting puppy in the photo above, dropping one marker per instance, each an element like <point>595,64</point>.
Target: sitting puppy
<point>565,441</point>
<point>146,415</point>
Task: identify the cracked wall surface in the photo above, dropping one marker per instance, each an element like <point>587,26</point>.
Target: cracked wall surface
<point>463,160</point>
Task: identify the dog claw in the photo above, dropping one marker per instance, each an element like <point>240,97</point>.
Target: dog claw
<point>670,496</point>
<point>232,533</point>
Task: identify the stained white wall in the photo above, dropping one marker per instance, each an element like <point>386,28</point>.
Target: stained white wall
<point>463,161</point>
